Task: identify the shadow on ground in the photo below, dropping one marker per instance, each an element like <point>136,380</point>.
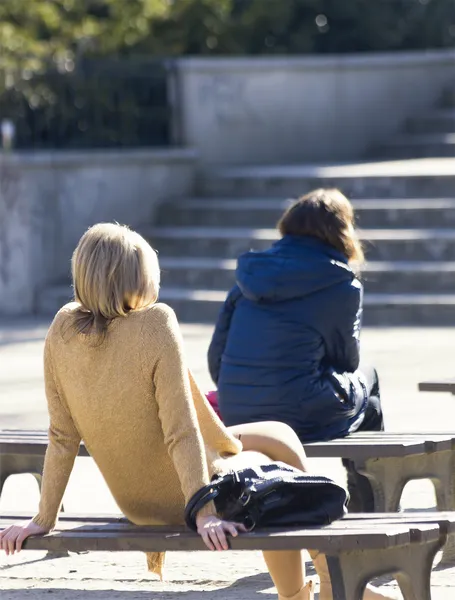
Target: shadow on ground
<point>241,588</point>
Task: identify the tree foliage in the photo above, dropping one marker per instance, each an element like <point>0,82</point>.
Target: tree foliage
<point>67,28</point>
<point>63,83</point>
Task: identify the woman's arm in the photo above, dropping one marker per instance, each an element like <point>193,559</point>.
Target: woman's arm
<point>61,452</point>
<point>179,422</point>
<point>219,338</point>
<point>64,440</point>
<point>163,351</point>
<point>344,351</point>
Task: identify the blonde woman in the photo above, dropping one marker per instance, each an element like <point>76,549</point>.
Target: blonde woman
<point>116,377</point>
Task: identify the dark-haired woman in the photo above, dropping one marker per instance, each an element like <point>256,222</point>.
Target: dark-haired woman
<point>286,344</point>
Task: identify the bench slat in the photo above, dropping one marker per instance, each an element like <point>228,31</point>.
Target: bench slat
<point>357,445</point>
<point>111,533</point>
<point>445,385</point>
<point>123,527</point>
<point>419,516</point>
<point>330,540</point>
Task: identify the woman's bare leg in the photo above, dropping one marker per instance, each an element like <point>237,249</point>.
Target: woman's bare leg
<point>277,442</point>
<point>286,568</point>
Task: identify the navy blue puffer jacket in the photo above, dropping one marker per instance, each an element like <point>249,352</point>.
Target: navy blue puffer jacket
<point>286,344</point>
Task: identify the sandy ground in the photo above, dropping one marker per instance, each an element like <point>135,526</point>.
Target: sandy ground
<point>402,356</point>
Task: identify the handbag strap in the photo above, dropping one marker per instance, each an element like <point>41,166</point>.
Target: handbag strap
<point>202,497</point>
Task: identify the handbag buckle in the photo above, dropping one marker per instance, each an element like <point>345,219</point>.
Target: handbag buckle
<point>245,499</point>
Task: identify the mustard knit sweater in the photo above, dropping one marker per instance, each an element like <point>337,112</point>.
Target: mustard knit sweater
<point>143,419</point>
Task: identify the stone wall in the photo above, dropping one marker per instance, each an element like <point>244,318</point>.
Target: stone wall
<point>48,199</point>
<point>269,110</point>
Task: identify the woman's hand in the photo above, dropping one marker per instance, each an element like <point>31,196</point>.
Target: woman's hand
<point>213,531</point>
<point>12,538</point>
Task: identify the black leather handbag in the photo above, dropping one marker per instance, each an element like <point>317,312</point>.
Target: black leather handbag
<point>272,495</point>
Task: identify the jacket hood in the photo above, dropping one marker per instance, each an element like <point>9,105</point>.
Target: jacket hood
<point>292,268</point>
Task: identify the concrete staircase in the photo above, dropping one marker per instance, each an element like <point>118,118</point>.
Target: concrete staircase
<point>410,245</point>
<point>429,134</point>
<point>405,208</point>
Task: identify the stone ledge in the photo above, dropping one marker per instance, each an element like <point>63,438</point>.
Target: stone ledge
<point>321,62</point>
<point>77,158</point>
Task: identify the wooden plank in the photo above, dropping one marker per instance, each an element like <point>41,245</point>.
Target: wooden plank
<point>73,517</point>
<point>358,522</point>
<point>359,445</point>
<point>122,526</point>
<point>446,520</point>
<point>447,385</point>
<point>362,450</point>
<point>41,435</point>
<point>326,540</point>
<point>418,516</point>
<point>418,531</point>
<point>36,447</point>
<point>113,533</point>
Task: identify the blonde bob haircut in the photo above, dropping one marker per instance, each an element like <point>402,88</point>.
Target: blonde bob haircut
<point>115,271</point>
<point>327,215</point>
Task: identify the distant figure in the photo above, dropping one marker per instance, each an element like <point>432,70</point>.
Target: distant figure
<point>286,344</point>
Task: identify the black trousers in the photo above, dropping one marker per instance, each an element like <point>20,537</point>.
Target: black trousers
<point>359,487</point>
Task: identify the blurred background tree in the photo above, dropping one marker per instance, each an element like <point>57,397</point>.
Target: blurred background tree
<point>299,26</point>
<point>66,28</point>
<point>70,75</point>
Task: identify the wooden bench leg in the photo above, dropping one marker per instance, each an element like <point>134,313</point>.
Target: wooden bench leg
<point>444,484</point>
<point>3,477</point>
<point>414,577</point>
<point>20,464</point>
<point>387,478</point>
<point>411,566</point>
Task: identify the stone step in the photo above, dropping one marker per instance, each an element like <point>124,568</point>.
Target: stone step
<point>378,277</point>
<point>203,306</point>
<point>417,178</point>
<point>223,242</point>
<point>448,98</point>
<point>419,146</point>
<point>52,298</point>
<point>436,121</point>
<point>265,212</point>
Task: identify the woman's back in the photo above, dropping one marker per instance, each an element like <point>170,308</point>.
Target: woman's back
<point>127,402</point>
<point>285,330</point>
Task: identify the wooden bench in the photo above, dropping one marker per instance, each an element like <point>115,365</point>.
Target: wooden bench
<point>389,460</point>
<point>358,548</point>
<point>445,385</point>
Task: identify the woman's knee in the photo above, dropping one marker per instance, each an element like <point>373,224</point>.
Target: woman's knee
<point>275,439</point>
<point>275,429</point>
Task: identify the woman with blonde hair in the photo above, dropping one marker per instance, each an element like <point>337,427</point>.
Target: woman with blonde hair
<point>116,377</point>
<point>286,344</point>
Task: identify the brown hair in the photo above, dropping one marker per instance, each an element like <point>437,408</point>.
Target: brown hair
<point>327,215</point>
<point>114,272</point>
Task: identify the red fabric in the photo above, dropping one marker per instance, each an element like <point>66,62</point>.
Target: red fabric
<point>212,397</point>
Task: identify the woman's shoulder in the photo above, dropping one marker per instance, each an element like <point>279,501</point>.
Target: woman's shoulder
<point>61,323</point>
<point>66,312</point>
<point>152,320</point>
<point>347,297</point>
<point>159,329</point>
<point>157,316</point>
